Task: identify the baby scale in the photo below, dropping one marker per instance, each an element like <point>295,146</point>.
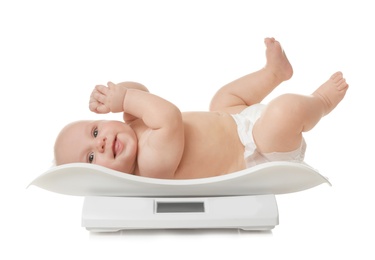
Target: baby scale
<point>116,201</point>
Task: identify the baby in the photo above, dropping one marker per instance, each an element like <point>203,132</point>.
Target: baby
<point>159,141</point>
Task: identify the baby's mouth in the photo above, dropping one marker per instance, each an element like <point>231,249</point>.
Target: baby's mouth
<point>116,147</point>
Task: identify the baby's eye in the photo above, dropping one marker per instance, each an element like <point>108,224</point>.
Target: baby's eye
<point>95,132</point>
<point>91,157</point>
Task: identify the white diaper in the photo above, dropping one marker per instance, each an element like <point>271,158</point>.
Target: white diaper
<point>245,122</point>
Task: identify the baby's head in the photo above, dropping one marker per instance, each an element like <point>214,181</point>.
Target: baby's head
<point>112,144</point>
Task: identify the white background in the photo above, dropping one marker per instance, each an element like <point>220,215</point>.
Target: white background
<point>52,53</point>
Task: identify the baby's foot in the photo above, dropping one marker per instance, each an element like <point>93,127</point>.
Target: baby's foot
<point>277,61</point>
<point>332,91</point>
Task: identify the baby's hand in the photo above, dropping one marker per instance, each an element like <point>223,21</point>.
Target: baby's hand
<point>107,99</point>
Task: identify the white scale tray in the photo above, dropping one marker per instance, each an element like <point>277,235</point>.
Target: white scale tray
<point>243,199</point>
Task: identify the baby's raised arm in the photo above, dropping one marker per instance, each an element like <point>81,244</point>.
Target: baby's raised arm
<point>131,85</point>
<point>161,145</point>
<point>105,99</point>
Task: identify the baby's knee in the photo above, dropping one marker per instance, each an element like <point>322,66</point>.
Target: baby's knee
<point>288,108</point>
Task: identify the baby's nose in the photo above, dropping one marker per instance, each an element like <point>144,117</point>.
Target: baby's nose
<point>100,145</point>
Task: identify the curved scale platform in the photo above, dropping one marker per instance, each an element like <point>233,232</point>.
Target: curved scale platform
<point>81,179</point>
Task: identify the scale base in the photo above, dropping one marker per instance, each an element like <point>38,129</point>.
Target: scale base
<point>112,214</point>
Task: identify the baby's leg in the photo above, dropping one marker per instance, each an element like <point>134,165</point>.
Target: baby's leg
<point>280,127</point>
<point>253,88</point>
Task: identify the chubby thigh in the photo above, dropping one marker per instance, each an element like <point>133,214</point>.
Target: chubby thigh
<point>277,130</point>
<point>262,140</point>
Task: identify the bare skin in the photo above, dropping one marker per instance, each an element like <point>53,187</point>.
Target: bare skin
<point>254,87</point>
<point>159,141</point>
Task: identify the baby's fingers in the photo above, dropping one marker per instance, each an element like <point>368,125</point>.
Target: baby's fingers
<point>98,90</point>
<point>93,104</point>
<point>97,107</point>
<point>98,99</point>
<point>102,89</point>
<point>102,109</point>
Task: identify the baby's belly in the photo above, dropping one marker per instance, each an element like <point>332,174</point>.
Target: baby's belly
<point>212,147</point>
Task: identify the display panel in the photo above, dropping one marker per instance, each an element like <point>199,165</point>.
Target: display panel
<point>179,207</point>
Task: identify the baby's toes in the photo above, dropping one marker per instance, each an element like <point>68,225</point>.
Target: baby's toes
<point>342,84</point>
<point>337,76</point>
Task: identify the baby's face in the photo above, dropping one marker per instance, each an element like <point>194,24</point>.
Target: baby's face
<point>112,144</point>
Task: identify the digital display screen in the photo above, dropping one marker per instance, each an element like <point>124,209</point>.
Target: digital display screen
<point>179,207</point>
